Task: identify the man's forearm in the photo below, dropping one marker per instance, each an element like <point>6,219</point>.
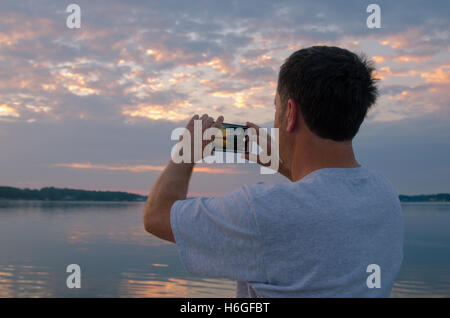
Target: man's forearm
<point>172,185</point>
<point>173,181</point>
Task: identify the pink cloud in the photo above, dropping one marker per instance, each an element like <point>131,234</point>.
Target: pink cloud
<point>143,168</point>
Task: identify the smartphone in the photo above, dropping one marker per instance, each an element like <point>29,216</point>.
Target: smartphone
<point>232,138</point>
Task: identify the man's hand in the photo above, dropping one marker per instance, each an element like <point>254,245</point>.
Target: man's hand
<point>206,123</point>
<point>261,135</point>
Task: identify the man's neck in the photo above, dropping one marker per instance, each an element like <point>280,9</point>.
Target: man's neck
<point>317,153</point>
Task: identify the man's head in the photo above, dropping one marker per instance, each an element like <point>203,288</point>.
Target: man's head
<point>325,90</point>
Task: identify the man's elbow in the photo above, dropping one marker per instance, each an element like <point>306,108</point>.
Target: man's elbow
<point>148,225</point>
<point>148,217</point>
<point>153,222</point>
<point>157,222</point>
<point>149,222</point>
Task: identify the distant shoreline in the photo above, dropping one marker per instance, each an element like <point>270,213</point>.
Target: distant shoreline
<point>440,197</point>
<point>66,194</point>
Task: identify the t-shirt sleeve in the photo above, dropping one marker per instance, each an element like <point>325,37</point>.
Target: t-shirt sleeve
<point>218,236</point>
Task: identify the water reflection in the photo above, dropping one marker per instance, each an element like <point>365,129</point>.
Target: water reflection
<point>151,285</point>
<point>420,281</point>
<point>119,259</point>
<point>24,281</point>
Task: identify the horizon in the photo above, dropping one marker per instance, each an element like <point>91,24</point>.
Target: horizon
<point>191,194</point>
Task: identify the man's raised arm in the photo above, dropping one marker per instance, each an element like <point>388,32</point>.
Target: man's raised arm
<point>172,185</point>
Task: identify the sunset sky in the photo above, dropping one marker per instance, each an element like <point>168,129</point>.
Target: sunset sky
<point>94,107</point>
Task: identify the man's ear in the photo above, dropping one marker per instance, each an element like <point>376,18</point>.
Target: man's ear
<point>292,113</point>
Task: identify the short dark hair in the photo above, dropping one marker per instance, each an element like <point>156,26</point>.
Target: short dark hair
<point>333,87</point>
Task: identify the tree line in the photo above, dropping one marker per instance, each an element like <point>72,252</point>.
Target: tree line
<point>65,194</point>
<point>56,194</point>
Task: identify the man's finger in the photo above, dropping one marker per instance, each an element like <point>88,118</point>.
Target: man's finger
<point>250,124</point>
<point>191,121</point>
<point>252,138</point>
<point>209,120</point>
<point>254,126</point>
<point>219,122</point>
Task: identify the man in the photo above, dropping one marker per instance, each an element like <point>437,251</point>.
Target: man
<point>335,230</point>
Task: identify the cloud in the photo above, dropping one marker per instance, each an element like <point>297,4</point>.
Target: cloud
<point>7,111</point>
<point>113,90</point>
<point>440,75</point>
<point>131,62</point>
<point>155,112</point>
<point>143,168</point>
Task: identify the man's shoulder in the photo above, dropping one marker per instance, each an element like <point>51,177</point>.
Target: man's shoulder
<point>266,188</point>
<point>322,183</point>
<point>272,193</point>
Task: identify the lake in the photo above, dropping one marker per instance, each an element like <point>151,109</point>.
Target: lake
<point>38,239</point>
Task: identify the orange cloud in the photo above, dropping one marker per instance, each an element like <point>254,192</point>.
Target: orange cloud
<point>218,170</point>
<point>142,168</point>
<point>411,58</point>
<point>262,60</point>
<point>242,99</point>
<point>39,109</point>
<point>441,75</point>
<point>131,168</point>
<point>156,54</point>
<point>15,36</point>
<point>379,59</point>
<point>216,64</point>
<point>401,40</point>
<point>48,87</point>
<point>81,91</point>
<point>177,78</point>
<point>155,112</point>
<point>7,111</point>
<point>386,72</point>
<point>401,59</point>
<point>74,82</point>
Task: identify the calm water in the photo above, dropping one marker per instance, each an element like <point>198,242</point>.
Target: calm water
<point>119,259</point>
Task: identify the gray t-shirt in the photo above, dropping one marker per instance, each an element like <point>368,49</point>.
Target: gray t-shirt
<point>312,238</point>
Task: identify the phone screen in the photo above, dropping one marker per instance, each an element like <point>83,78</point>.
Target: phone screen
<point>231,139</point>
